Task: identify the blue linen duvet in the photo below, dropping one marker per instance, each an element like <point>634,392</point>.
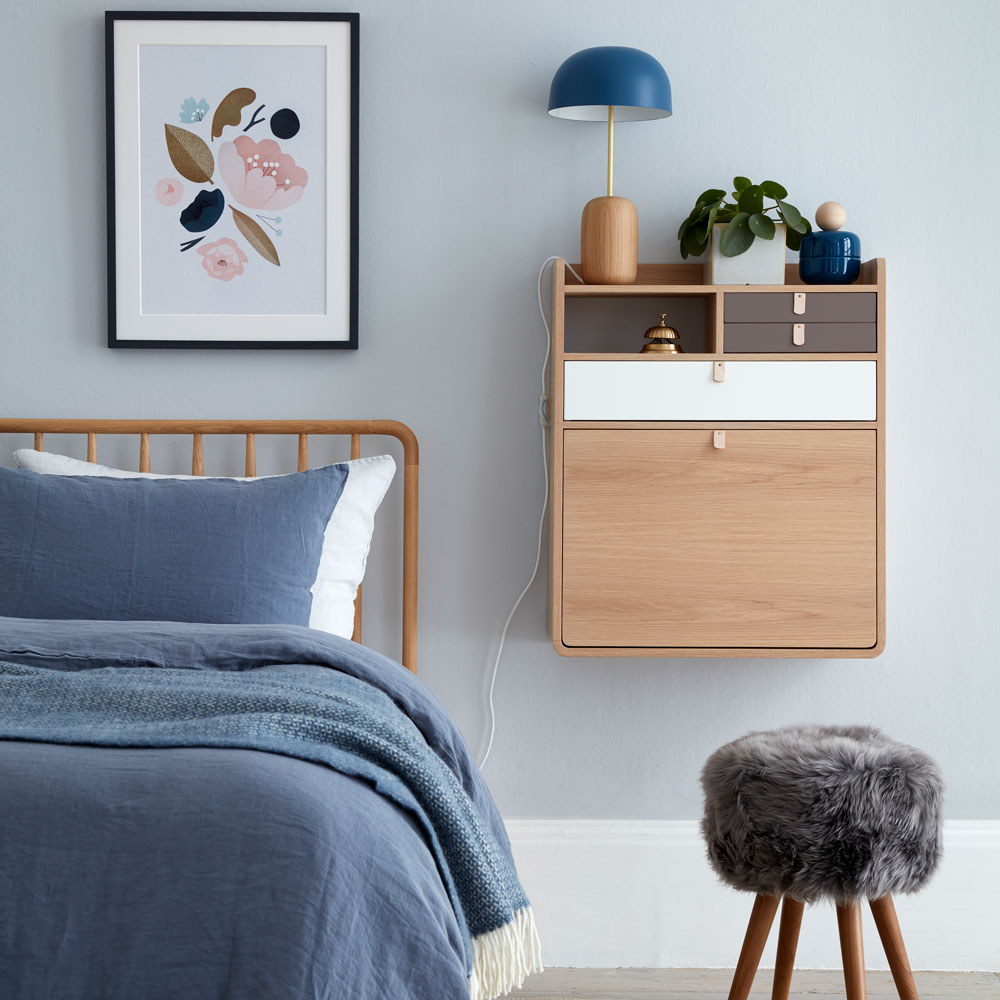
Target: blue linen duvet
<point>150,849</point>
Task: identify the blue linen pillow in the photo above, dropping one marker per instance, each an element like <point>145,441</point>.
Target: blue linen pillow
<point>214,550</point>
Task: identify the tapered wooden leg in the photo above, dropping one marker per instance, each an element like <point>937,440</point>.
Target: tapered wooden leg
<point>852,949</point>
<point>764,909</point>
<point>884,913</point>
<point>788,940</point>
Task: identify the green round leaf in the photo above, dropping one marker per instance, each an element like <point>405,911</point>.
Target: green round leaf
<point>789,213</point>
<point>762,226</point>
<point>712,213</point>
<point>701,212</point>
<point>737,237</point>
<point>772,189</point>
<point>694,242</point>
<point>801,227</point>
<point>793,239</point>
<point>751,200</point>
<point>712,194</point>
<point>698,212</point>
<point>740,183</point>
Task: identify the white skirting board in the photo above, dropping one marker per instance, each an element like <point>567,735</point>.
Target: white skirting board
<point>621,893</point>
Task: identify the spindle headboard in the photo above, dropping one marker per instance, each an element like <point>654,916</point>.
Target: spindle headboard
<point>302,430</point>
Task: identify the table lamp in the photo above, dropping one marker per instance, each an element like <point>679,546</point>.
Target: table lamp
<point>610,82</point>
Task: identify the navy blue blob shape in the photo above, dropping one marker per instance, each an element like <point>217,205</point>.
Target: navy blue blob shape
<point>285,123</point>
<point>204,212</point>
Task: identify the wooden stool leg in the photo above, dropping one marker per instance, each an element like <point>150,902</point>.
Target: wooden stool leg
<point>788,939</point>
<point>884,913</point>
<point>852,949</point>
<point>764,909</point>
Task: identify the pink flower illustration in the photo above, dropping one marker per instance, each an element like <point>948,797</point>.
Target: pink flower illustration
<point>223,259</point>
<point>169,191</point>
<point>259,175</point>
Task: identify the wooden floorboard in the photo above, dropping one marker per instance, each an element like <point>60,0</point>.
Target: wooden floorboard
<point>685,984</point>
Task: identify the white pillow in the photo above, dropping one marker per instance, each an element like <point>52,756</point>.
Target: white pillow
<point>346,542</point>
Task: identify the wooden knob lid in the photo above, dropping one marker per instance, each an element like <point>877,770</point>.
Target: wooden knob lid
<point>830,215</point>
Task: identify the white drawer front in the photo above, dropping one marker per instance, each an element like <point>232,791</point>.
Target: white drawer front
<point>752,390</point>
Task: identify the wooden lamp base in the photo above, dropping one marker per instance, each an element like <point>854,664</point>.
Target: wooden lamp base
<point>609,241</point>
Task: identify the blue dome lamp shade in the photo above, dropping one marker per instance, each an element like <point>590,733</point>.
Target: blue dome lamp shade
<point>602,84</point>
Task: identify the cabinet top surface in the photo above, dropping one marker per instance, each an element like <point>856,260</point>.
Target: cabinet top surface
<point>687,279</point>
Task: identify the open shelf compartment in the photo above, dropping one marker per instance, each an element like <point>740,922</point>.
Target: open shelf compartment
<point>617,325</point>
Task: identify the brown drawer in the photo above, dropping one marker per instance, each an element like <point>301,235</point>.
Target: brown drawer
<point>777,338</point>
<point>820,307</point>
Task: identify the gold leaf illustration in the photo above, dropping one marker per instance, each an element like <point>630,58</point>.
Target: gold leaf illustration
<point>189,154</point>
<point>255,236</point>
<point>230,109</point>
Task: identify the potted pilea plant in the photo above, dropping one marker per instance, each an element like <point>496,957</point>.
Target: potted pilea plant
<point>742,234</point>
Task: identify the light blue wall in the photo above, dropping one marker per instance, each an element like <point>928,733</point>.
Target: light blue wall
<point>467,185</point>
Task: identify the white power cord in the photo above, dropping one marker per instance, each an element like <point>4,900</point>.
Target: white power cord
<point>543,421</point>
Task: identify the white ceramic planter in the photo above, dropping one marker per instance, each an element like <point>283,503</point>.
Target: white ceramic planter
<point>762,264</point>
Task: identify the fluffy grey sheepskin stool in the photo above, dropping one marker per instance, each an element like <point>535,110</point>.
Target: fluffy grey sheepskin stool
<point>813,812</point>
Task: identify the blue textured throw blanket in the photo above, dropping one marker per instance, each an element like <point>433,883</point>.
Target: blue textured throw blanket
<point>164,685</point>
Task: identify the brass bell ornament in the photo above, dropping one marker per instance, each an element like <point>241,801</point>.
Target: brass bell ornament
<point>662,339</point>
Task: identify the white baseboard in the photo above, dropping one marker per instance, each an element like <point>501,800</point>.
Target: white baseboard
<point>634,893</point>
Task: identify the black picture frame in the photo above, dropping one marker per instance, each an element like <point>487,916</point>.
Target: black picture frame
<point>116,339</point>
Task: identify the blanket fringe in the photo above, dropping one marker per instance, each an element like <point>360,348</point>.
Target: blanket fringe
<point>503,957</point>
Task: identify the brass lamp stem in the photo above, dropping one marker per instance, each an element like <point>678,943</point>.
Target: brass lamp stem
<point>611,146</point>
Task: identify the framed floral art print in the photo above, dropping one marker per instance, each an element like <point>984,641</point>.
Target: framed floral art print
<point>232,180</point>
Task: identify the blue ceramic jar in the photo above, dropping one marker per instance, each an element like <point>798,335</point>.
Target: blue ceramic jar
<point>830,258</point>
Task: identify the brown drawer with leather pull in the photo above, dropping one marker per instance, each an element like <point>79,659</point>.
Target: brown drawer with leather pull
<point>781,338</point>
<point>800,307</point>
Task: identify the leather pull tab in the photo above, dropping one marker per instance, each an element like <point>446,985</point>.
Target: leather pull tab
<point>719,439</point>
<point>798,334</point>
<point>799,303</point>
<point>719,371</point>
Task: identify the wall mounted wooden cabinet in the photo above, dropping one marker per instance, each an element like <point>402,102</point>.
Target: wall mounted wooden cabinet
<point>728,501</point>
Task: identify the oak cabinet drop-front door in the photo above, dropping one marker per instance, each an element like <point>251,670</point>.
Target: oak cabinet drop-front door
<point>749,538</point>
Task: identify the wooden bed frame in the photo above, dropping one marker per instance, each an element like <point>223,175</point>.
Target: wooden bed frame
<point>302,429</point>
